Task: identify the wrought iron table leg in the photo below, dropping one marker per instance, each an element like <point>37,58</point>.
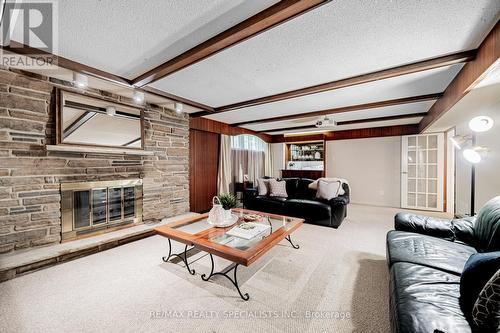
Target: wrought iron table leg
<point>179,255</point>
<point>289,239</point>
<point>234,280</point>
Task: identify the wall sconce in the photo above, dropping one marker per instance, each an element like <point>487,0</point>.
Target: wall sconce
<point>110,111</point>
<point>178,107</point>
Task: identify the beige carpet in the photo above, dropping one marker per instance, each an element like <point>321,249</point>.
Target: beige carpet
<point>336,282</point>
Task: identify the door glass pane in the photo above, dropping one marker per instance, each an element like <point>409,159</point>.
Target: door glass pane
<point>432,186</point>
<point>432,156</point>
<point>432,201</point>
<point>412,171</point>
<point>99,206</point>
<point>81,208</point>
<point>432,173</point>
<point>412,157</point>
<point>421,171</point>
<point>412,143</point>
<point>412,185</point>
<point>421,200</point>
<point>422,142</point>
<point>411,199</point>
<point>422,156</point>
<point>433,142</point>
<point>115,203</point>
<point>421,186</point>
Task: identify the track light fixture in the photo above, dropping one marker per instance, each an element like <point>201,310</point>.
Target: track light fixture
<point>475,154</point>
<point>178,107</point>
<point>80,80</point>
<point>138,97</point>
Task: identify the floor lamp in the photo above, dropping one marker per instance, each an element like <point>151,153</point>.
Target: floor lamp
<point>473,154</point>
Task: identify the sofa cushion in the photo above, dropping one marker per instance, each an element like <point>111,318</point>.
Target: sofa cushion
<point>424,299</point>
<point>310,210</point>
<point>303,190</point>
<point>487,226</point>
<point>428,251</point>
<point>486,312</point>
<point>269,204</point>
<point>478,269</point>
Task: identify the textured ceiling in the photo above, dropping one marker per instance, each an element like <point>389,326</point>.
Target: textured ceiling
<point>334,41</point>
<point>128,38</point>
<point>345,116</point>
<point>427,82</point>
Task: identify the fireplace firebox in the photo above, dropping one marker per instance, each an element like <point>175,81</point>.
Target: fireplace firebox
<point>93,207</point>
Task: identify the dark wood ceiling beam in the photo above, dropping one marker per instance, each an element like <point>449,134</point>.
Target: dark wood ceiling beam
<point>350,122</point>
<point>360,133</point>
<point>266,19</point>
<point>488,53</point>
<point>350,108</point>
<point>415,67</point>
<point>28,51</point>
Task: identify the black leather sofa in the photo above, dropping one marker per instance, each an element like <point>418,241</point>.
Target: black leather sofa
<point>301,202</point>
<point>426,257</point>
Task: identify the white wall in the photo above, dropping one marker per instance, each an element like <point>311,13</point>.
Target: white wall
<point>487,172</point>
<point>372,167</point>
<point>278,153</point>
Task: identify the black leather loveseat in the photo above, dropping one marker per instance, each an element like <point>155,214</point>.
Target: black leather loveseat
<point>301,202</point>
<point>426,258</point>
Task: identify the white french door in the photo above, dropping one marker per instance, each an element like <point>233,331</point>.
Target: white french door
<point>422,172</point>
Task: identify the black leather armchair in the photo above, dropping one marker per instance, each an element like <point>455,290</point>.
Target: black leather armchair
<point>301,202</point>
<point>426,257</point>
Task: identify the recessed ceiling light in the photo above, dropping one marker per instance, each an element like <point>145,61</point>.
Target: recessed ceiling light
<point>80,80</point>
<point>481,124</point>
<point>178,107</point>
<point>138,97</point>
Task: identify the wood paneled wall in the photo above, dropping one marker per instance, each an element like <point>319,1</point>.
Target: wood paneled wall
<point>203,166</point>
<point>208,125</point>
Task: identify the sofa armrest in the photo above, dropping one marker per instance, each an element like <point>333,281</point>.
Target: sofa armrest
<point>250,193</point>
<point>452,230</point>
<point>340,200</point>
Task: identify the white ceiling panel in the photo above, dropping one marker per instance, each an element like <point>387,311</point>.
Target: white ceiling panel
<point>128,38</point>
<point>428,82</point>
<point>396,122</point>
<point>335,41</point>
<point>345,116</point>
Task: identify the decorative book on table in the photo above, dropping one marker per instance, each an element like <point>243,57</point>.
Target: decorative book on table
<point>248,230</point>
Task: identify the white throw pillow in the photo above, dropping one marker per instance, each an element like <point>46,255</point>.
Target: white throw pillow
<point>328,190</point>
<point>314,184</point>
<point>277,188</point>
<point>263,186</point>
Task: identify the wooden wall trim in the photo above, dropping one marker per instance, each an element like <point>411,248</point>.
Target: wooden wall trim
<point>209,125</point>
<point>470,75</point>
<point>360,133</point>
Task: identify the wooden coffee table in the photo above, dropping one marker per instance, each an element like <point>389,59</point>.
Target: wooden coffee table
<point>196,232</point>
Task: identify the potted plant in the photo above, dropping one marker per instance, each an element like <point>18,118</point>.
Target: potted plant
<point>228,200</point>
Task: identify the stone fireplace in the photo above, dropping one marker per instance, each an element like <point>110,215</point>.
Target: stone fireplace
<point>32,175</point>
<point>88,208</point>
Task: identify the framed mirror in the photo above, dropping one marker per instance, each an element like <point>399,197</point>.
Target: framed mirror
<point>85,120</point>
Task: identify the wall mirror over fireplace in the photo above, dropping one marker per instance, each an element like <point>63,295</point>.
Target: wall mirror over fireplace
<point>84,120</point>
